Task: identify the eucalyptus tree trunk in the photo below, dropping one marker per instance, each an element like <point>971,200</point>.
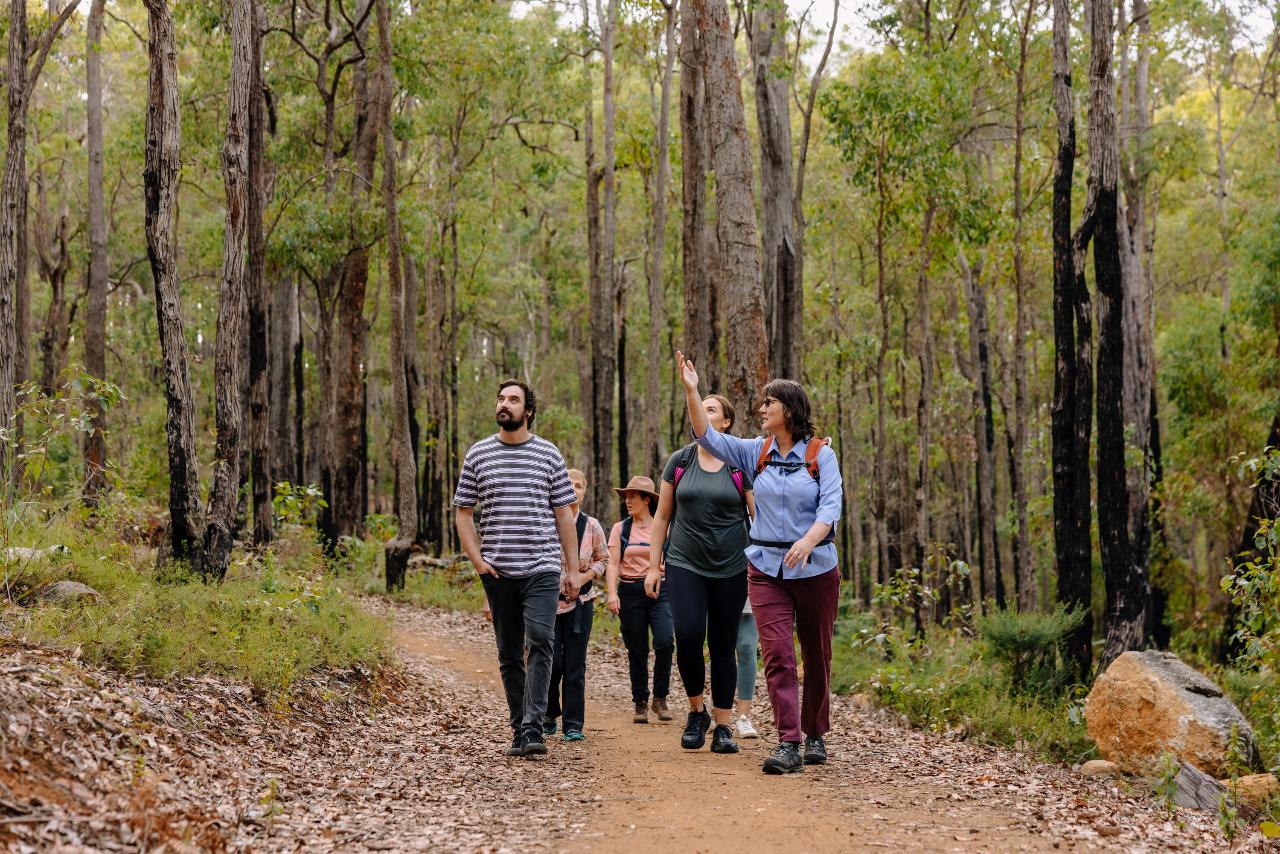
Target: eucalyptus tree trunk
<point>1072,411</point>
<point>228,349</point>
<point>1139,341</point>
<point>700,320</point>
<point>1025,575</point>
<point>261,468</point>
<point>95,323</point>
<point>160,183</point>
<point>983,429</point>
<point>1127,591</point>
<point>746,364</point>
<point>781,288</point>
<point>53,259</point>
<point>284,340</point>
<point>397,550</point>
<point>655,447</point>
<point>603,327</point>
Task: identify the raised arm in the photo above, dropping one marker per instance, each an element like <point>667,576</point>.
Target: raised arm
<point>740,453</point>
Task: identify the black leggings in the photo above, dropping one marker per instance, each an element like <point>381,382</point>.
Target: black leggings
<point>707,610</point>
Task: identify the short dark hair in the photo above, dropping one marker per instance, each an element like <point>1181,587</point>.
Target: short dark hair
<point>795,407</point>
<point>725,407</point>
<point>530,399</point>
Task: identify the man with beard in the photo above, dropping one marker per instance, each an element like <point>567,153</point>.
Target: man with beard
<point>523,544</point>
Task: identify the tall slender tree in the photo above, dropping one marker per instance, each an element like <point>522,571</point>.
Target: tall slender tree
<point>229,345</point>
<point>746,364</point>
<point>95,323</point>
<point>14,307</point>
<point>260,473</point>
<point>1072,411</point>
<point>160,182</point>
<point>397,550</point>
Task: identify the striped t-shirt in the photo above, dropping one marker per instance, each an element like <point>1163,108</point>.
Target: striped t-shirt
<point>517,488</point>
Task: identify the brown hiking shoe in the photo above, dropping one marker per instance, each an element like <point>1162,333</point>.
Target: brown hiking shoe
<point>660,708</point>
<point>642,714</point>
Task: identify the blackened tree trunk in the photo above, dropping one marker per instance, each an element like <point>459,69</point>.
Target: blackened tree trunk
<point>1072,409</point>
<point>284,336</point>
<point>695,243</point>
<point>923,404</point>
<point>397,550</point>
<point>1127,592</point>
<point>746,364</point>
<point>781,289</point>
<point>260,471</point>
<point>95,323</point>
<point>228,408</point>
<point>160,181</point>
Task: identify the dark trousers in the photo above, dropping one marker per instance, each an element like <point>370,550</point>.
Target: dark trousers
<point>639,615</point>
<point>524,614</point>
<point>707,610</point>
<point>569,666</point>
<point>786,610</point>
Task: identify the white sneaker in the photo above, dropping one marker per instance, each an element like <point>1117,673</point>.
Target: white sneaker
<point>745,728</point>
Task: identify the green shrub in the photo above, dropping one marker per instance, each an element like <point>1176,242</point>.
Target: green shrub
<point>273,619</point>
<point>946,682</point>
<point>1027,646</point>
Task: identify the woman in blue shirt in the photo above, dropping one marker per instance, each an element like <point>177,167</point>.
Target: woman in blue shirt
<point>792,577</point>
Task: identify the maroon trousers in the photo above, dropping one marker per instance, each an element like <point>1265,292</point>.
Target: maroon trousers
<point>806,606</point>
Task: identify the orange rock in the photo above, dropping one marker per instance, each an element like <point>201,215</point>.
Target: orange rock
<point>1149,703</point>
<point>1257,789</point>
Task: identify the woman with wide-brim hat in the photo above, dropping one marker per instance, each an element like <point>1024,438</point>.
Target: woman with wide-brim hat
<point>640,615</point>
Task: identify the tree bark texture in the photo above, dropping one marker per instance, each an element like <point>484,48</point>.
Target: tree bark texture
<point>160,180</point>
<point>95,323</point>
<point>746,363</point>
<point>1127,591</point>
<point>1072,410</point>
<point>781,287</point>
<point>397,550</point>
<point>695,239</point>
<point>655,447</point>
<point>261,474</point>
<point>284,338</point>
<point>228,349</point>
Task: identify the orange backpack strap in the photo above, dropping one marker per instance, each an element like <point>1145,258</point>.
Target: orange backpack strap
<point>811,452</point>
<point>764,455</point>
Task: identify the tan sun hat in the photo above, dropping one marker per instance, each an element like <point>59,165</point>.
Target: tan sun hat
<point>638,483</point>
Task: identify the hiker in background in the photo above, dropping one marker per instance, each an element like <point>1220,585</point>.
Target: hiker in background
<point>748,644</point>
<point>703,519</point>
<point>629,557</point>
<point>573,624</point>
<point>522,544</point>
<point>793,580</point>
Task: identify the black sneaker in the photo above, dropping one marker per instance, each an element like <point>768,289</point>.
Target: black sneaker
<point>695,730</point>
<point>785,759</point>
<point>517,746</point>
<point>815,750</point>
<point>722,740</point>
<point>534,745</point>
<point>549,726</point>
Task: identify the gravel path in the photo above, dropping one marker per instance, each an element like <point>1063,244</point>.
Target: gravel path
<point>91,760</point>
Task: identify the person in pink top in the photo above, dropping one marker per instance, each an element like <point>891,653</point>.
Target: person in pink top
<point>629,552</point>
<point>573,625</point>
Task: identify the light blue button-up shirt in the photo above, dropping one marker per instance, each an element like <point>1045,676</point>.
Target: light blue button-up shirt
<point>788,501</point>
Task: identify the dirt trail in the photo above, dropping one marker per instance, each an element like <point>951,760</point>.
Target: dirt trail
<point>655,796</point>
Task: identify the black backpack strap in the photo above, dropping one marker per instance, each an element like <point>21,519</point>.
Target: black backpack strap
<point>625,536</point>
<point>582,528</point>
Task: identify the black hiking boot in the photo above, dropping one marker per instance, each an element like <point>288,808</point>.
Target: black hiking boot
<point>534,745</point>
<point>815,750</point>
<point>785,759</point>
<point>517,746</point>
<point>695,730</point>
<point>722,740</point>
